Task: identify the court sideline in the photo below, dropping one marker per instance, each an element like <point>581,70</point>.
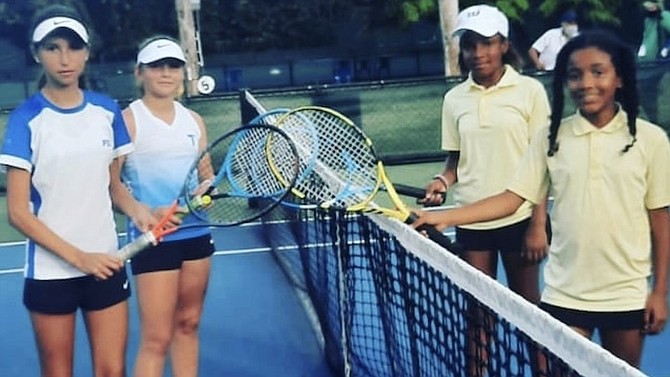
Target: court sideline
<point>253,323</point>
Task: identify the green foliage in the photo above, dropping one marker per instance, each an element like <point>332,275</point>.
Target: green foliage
<point>414,10</point>
<point>514,9</point>
<point>598,11</point>
<point>283,24</point>
<point>118,26</point>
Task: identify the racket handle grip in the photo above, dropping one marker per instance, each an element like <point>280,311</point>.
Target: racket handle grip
<point>436,236</point>
<point>411,191</point>
<point>418,194</point>
<point>142,242</point>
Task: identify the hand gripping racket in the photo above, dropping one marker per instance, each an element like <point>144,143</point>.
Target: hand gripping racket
<point>347,172</point>
<point>252,162</point>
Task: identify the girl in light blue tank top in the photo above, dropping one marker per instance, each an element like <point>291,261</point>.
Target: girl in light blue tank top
<point>171,277</point>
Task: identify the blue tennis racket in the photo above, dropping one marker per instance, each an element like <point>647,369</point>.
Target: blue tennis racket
<point>256,162</point>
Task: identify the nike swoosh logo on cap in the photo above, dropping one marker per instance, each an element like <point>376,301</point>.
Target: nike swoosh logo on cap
<point>163,45</point>
<point>56,23</point>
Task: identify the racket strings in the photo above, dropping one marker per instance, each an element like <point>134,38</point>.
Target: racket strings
<point>253,169</point>
<point>344,168</point>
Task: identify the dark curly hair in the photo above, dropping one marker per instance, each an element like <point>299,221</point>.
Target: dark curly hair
<point>625,66</point>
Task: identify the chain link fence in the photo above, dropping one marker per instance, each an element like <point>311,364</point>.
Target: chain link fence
<point>402,117</point>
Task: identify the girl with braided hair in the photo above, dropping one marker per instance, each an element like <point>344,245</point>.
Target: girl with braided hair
<point>609,174</point>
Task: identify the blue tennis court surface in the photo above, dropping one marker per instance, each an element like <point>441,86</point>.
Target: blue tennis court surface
<point>253,323</point>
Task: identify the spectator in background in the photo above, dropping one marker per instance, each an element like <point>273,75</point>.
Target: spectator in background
<point>544,50</point>
<point>655,32</point>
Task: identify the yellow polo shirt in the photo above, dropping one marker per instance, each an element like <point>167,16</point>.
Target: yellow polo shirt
<point>600,255</point>
<point>491,128</point>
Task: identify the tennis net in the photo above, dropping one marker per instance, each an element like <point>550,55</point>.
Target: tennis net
<point>387,301</point>
<point>390,302</point>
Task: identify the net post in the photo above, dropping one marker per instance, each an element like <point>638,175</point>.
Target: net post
<point>247,110</point>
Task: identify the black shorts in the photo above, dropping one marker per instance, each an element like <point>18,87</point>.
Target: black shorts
<point>509,238</point>
<point>64,296</point>
<point>628,320</point>
<point>170,255</point>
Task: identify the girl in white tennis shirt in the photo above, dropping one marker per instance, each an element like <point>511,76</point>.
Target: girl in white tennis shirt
<point>609,173</point>
<point>171,277</point>
<point>59,152</point>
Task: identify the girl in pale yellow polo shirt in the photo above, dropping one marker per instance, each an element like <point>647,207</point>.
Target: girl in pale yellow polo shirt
<point>488,122</point>
<point>609,173</point>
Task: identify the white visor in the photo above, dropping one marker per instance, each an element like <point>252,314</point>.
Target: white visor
<point>47,26</point>
<point>158,50</point>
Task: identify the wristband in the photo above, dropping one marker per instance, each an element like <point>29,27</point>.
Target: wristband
<point>442,179</point>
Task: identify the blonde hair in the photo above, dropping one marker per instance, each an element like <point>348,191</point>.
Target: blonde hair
<point>181,89</point>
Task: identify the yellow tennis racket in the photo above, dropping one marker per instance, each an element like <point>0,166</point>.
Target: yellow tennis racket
<point>344,170</point>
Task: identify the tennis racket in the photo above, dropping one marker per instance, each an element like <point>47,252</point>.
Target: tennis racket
<point>309,151</point>
<point>253,162</point>
<point>347,173</point>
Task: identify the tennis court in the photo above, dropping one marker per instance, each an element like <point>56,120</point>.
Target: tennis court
<point>254,323</point>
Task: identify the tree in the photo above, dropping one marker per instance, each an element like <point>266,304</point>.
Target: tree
<point>448,15</point>
<point>598,12</point>
<point>118,26</point>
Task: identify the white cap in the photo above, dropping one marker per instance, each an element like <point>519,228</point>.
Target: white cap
<point>484,20</point>
<point>160,49</point>
<point>50,24</point>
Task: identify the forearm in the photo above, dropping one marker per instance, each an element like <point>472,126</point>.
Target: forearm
<point>122,199</point>
<point>491,208</point>
<point>449,172</point>
<point>125,202</point>
<point>534,57</point>
<point>539,216</point>
<point>660,232</point>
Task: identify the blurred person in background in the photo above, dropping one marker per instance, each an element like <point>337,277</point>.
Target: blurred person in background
<point>544,50</point>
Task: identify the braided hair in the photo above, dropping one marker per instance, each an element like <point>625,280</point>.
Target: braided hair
<point>625,65</point>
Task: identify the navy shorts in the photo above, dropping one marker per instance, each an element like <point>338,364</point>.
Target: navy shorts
<point>170,255</point>
<point>508,238</point>
<point>628,320</point>
<point>64,296</point>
